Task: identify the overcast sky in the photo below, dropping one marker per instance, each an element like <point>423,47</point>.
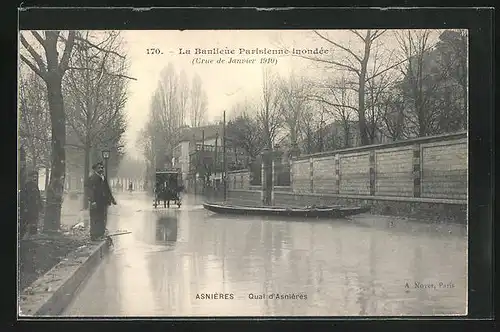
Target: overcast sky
<point>225,84</point>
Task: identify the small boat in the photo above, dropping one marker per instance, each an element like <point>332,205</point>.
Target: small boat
<point>306,212</point>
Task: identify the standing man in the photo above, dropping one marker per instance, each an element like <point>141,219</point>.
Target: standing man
<point>31,205</point>
<point>100,198</point>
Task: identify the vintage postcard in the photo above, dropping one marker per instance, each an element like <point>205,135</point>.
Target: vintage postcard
<point>209,173</point>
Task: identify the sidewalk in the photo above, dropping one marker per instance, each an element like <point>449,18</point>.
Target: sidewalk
<point>40,253</point>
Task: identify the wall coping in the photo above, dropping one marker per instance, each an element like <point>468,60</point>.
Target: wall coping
<point>244,190</point>
<point>419,140</point>
<point>238,171</point>
<point>378,198</point>
<point>384,198</point>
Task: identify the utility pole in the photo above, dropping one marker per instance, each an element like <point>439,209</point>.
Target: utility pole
<point>224,176</point>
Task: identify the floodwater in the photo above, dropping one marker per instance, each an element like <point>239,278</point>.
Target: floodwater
<point>190,262</point>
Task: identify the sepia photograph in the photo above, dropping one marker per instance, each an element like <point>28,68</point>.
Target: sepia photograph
<point>243,173</point>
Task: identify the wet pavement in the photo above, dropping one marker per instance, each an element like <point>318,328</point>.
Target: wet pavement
<point>368,266</point>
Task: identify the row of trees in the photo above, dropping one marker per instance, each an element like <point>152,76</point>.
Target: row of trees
<point>385,85</point>
<point>176,102</point>
<point>72,94</point>
<point>371,91</point>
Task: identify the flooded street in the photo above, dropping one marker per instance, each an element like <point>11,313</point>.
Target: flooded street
<point>368,266</point>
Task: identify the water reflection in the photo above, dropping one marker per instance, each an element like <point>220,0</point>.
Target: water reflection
<point>166,229</point>
<point>343,267</point>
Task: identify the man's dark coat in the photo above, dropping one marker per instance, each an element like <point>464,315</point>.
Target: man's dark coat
<point>99,193</point>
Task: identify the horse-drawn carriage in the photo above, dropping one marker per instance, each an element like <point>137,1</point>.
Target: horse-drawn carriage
<point>168,188</point>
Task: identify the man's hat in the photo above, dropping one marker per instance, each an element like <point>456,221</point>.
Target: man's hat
<point>99,163</point>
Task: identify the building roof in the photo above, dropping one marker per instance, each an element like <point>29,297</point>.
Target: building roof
<point>207,132</point>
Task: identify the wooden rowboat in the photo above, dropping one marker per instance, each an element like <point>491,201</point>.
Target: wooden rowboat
<point>306,212</point>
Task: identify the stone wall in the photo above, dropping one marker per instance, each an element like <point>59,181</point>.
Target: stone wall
<point>394,172</point>
<point>354,173</point>
<point>425,177</point>
<point>324,179</point>
<point>430,167</point>
<point>301,178</point>
<point>444,169</point>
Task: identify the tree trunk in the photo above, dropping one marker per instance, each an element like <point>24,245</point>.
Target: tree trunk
<point>54,192</point>
<point>33,160</point>
<point>47,177</point>
<point>347,143</point>
<point>86,171</point>
<point>361,93</point>
<point>361,101</point>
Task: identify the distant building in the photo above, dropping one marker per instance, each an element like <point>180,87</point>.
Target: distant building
<point>192,140</point>
<point>200,150</point>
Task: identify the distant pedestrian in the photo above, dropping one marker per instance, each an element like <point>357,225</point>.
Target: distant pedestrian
<point>31,205</point>
<point>100,197</point>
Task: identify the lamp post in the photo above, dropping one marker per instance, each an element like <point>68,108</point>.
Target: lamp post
<point>105,156</point>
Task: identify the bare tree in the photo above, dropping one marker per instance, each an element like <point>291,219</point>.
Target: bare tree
<point>145,144</point>
<point>314,133</point>
<point>163,129</point>
<point>268,115</point>
<point>295,93</point>
<point>240,109</point>
<point>97,93</point>
<point>244,132</point>
<point>376,88</point>
<point>420,83</point>
<point>338,98</point>
<point>34,120</point>
<point>451,54</point>
<point>183,97</point>
<point>357,65</point>
<point>392,108</point>
<point>198,103</point>
<point>158,131</point>
<point>52,71</point>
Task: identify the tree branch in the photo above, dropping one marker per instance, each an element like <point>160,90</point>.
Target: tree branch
<point>339,46</point>
<point>39,38</point>
<point>350,68</point>
<point>63,65</point>
<point>359,35</point>
<point>38,59</point>
<point>32,66</point>
<point>86,41</point>
<point>119,75</point>
<point>322,100</point>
